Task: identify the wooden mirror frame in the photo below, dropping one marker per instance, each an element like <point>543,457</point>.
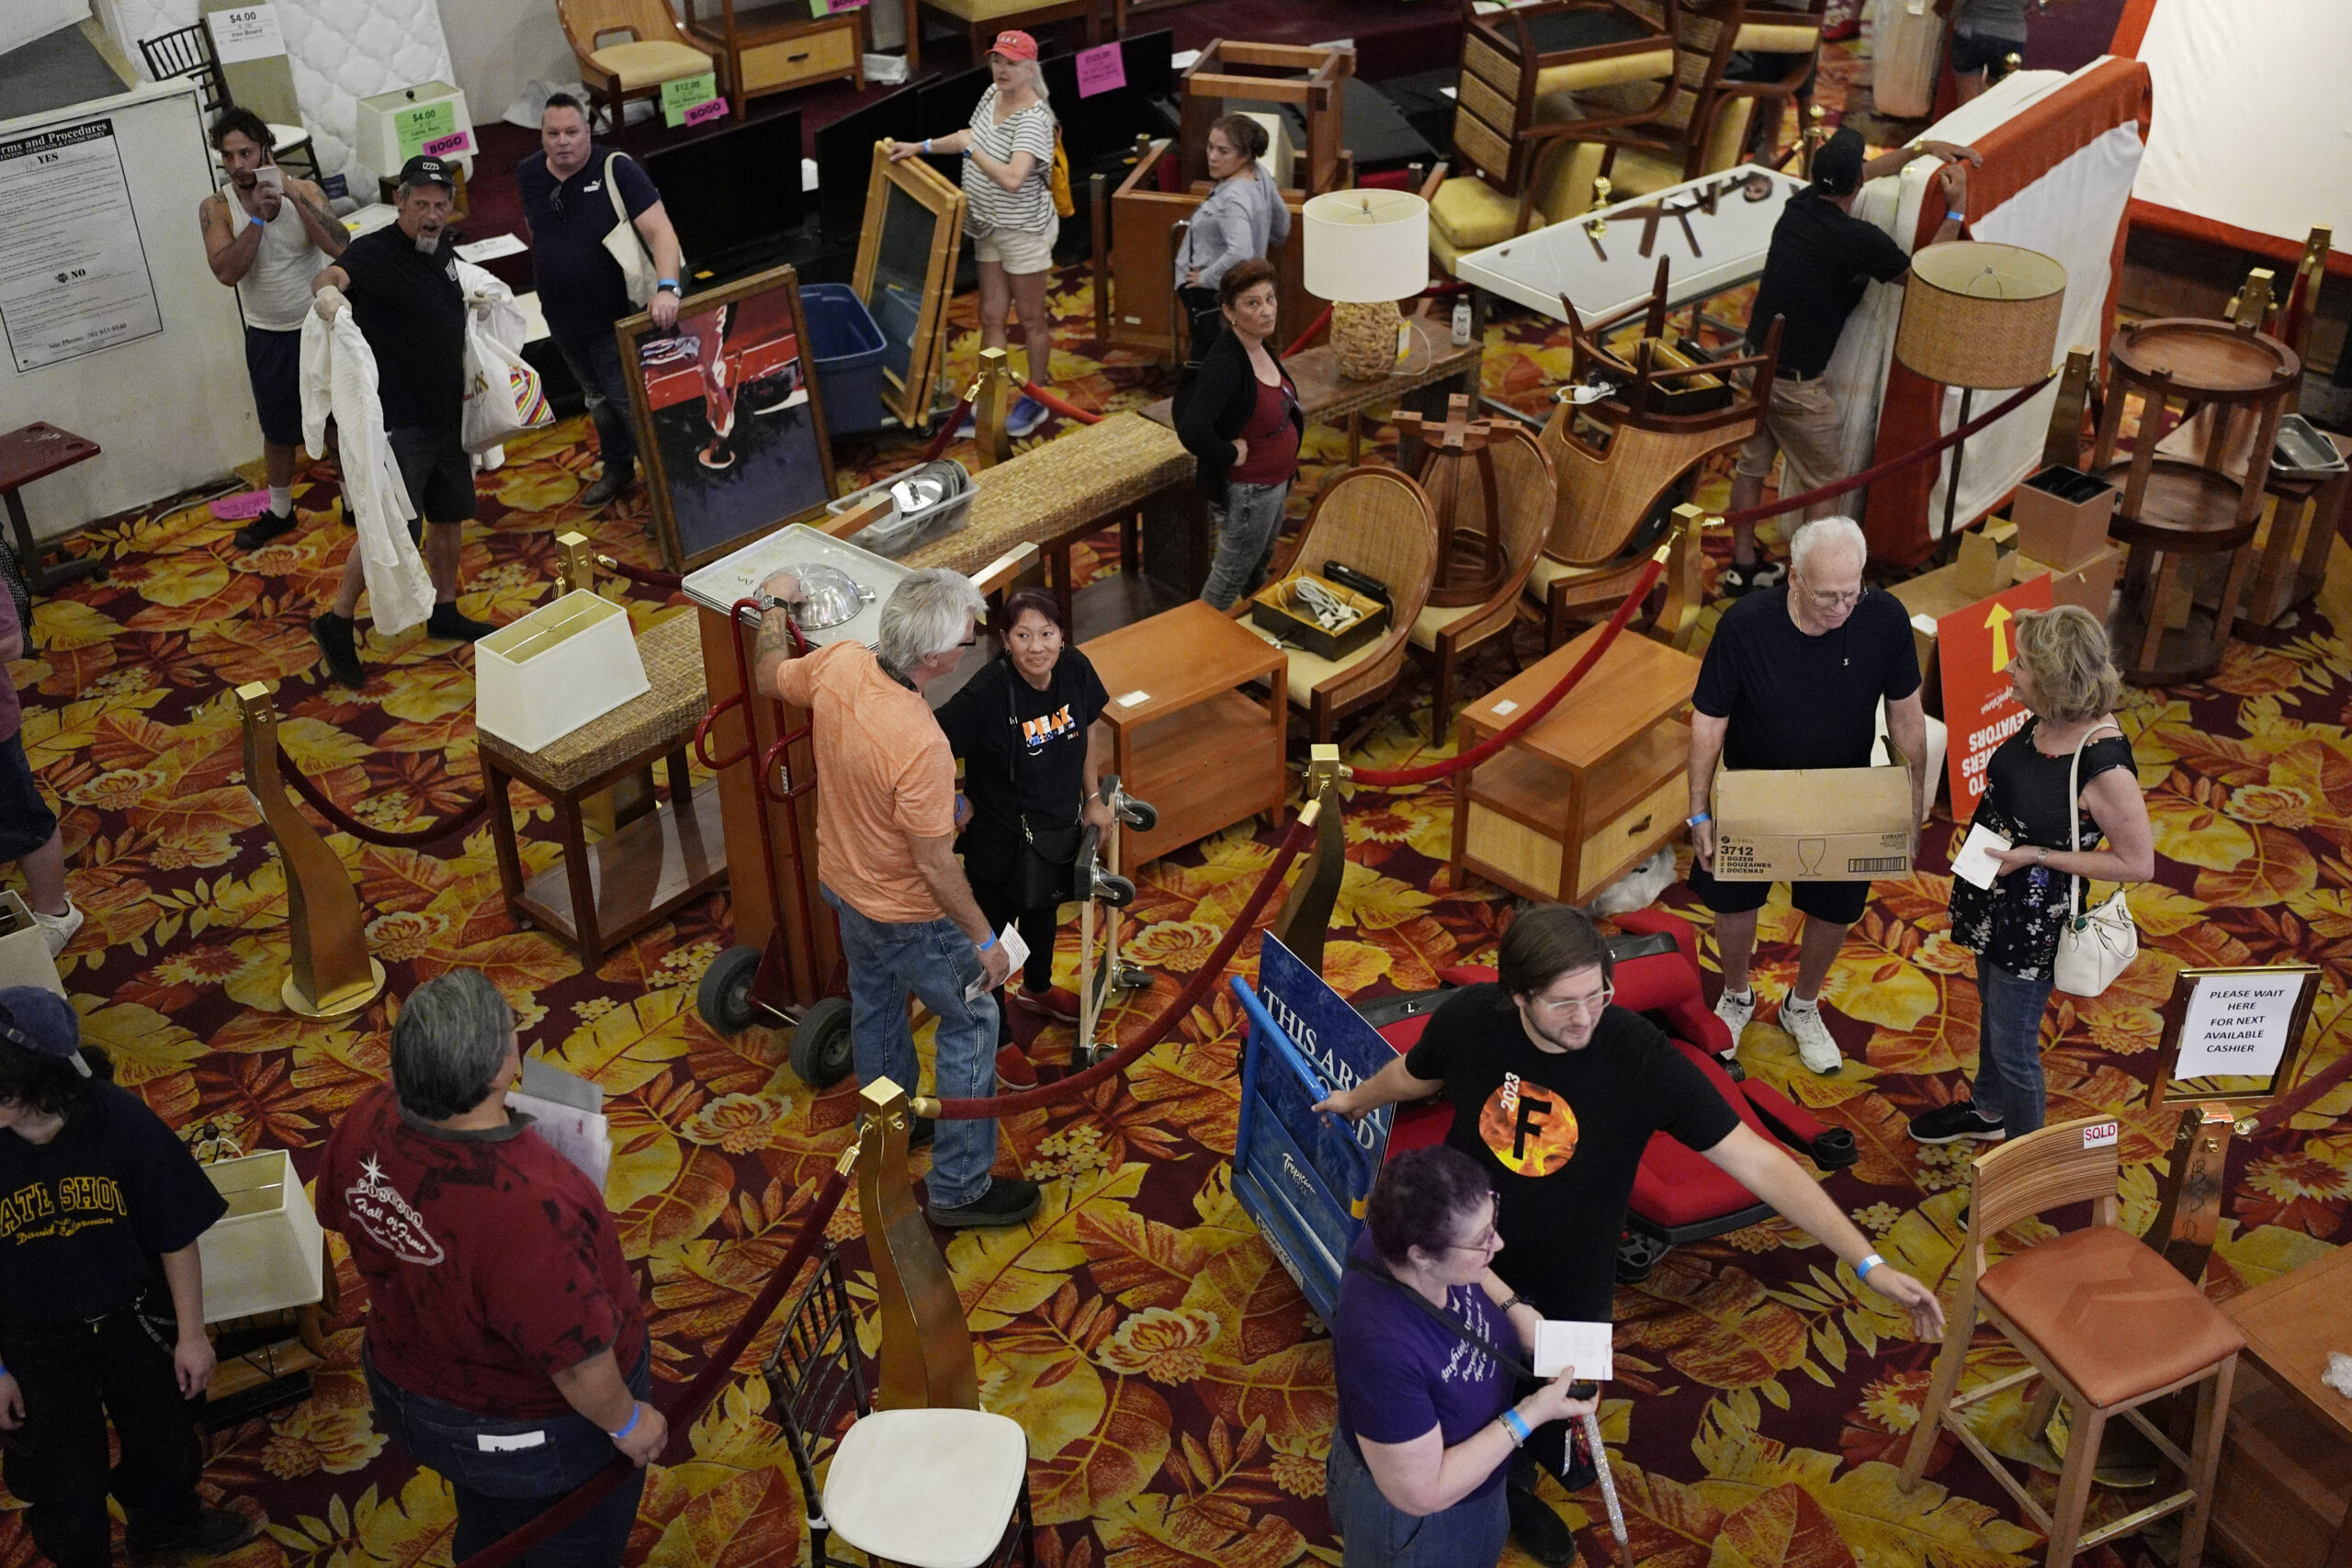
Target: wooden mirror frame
<point>909,402</point>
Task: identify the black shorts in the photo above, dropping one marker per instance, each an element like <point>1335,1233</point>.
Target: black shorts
<point>438,473</point>
<point>26,820</point>
<point>273,364</point>
<point>1973,53</point>
<point>1840,903</point>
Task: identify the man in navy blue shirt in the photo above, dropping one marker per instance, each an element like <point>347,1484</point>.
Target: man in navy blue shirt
<point>573,192</point>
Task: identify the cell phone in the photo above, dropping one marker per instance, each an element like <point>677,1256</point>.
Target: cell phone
<point>1583,1388</point>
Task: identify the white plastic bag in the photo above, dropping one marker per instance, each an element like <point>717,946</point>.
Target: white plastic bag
<point>503,393</point>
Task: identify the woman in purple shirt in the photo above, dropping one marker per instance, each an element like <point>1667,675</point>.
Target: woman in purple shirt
<point>1426,1423</point>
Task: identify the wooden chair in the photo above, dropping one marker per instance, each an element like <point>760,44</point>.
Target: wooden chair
<point>2107,1323</point>
<point>1792,30</point>
<point>983,19</point>
<point>655,51</point>
<point>1380,522</point>
<point>1443,638</point>
<point>1643,137</point>
<point>188,52</point>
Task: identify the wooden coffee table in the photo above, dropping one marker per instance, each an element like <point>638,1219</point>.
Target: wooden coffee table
<point>2279,1499</point>
<point>1202,752</point>
<point>32,453</point>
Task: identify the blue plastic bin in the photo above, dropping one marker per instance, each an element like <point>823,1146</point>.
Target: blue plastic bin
<point>846,348</point>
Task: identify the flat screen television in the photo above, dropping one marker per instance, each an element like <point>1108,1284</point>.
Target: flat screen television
<point>845,158</point>
<point>1107,123</point>
<point>733,191</point>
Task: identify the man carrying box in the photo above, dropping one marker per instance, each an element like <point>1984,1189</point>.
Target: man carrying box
<point>1793,680</point>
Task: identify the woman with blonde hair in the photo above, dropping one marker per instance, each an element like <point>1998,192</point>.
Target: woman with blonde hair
<point>2065,676</point>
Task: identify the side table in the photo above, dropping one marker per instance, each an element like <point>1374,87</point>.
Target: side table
<point>599,895</point>
<point>1326,397</point>
<point>1593,790</point>
<point>35,452</point>
<point>2280,1500</point>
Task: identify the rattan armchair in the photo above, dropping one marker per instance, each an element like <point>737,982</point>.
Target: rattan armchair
<point>1443,638</point>
<point>617,69</point>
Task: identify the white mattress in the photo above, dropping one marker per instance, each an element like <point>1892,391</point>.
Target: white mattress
<point>342,52</point>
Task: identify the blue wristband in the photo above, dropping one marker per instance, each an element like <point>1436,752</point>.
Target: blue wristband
<point>257,220</point>
<point>1516,1424</point>
<point>1956,217</point>
<point>1862,1269</point>
<point>635,1410</point>
<point>990,943</point>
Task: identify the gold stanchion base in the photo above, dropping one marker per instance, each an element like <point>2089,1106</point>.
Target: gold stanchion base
<point>339,1004</point>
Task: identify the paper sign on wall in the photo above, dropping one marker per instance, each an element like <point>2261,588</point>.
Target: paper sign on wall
<point>684,93</point>
<point>246,32</point>
<point>1101,70</point>
<point>423,123</point>
<point>1974,649</point>
<point>2239,1024</point>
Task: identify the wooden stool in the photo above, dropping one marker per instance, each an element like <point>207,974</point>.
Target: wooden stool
<point>35,452</point>
<point>2174,507</point>
<point>599,897</point>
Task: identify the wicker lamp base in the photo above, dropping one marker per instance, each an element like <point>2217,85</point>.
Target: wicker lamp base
<point>1364,339</point>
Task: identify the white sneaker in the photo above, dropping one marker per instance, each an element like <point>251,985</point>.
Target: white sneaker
<point>1736,1011</point>
<point>58,930</point>
<point>1803,1021</point>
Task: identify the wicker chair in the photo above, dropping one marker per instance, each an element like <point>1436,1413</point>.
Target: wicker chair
<point>1443,638</point>
<point>1379,522</point>
<point>656,50</point>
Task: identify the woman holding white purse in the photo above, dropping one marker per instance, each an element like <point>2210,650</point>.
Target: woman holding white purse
<point>2055,790</point>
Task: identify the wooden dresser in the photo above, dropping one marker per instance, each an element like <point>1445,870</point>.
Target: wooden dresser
<point>771,48</point>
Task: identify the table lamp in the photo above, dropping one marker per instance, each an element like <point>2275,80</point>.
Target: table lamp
<point>1365,251</point>
<point>1979,316</point>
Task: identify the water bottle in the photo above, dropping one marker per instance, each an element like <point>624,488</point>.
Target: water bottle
<point>1462,322</point>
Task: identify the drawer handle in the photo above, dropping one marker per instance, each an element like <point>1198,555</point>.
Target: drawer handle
<point>795,59</point>
<point>1641,826</point>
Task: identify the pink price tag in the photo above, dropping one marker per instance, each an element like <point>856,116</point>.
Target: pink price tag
<point>709,110</point>
<point>1101,70</point>
<point>457,141</point>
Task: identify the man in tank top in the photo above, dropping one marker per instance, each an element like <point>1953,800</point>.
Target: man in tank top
<point>268,234</point>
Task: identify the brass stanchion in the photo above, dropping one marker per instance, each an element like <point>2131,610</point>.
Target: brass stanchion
<point>1678,618</point>
<point>1306,918</point>
<point>926,1359</point>
<point>989,398</point>
<point>2063,444</point>
<point>332,975</point>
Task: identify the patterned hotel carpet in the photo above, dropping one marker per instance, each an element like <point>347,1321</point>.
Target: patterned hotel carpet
<point>1175,1388</point>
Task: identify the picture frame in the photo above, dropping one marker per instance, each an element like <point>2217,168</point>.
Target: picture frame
<point>2277,998</point>
<point>729,418</point>
<point>907,253</point>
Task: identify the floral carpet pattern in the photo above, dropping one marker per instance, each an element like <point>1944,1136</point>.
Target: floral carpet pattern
<point>1175,1388</point>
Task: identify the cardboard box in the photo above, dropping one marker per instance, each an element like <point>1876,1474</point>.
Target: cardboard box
<point>2062,515</point>
<point>1813,824</point>
<point>24,950</point>
<point>2090,583</point>
<point>1269,608</point>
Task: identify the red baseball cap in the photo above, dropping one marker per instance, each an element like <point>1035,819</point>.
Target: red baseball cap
<point>1014,44</point>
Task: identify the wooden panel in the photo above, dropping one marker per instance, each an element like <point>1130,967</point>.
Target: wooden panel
<point>1632,835</point>
<point>1528,790</point>
<point>1512,854</point>
<point>1483,59</point>
<point>1205,768</point>
<point>823,53</point>
<point>1635,684</point>
<point>1477,142</point>
<point>1486,102</point>
<point>639,874</point>
<point>2279,1496</point>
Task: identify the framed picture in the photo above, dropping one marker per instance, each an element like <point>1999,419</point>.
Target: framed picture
<point>729,419</point>
<point>906,271</point>
<point>2233,1035</point>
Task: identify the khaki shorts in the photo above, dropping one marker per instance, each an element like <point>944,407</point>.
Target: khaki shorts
<point>1800,426</point>
<point>1018,250</point>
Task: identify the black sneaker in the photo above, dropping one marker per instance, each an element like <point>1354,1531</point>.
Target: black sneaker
<point>450,627</point>
<point>1006,1202</point>
<point>262,530</point>
<point>1734,579</point>
<point>214,1532</point>
<point>1540,1532</point>
<point>338,650</point>
<point>1951,1123</point>
<point>617,477</point>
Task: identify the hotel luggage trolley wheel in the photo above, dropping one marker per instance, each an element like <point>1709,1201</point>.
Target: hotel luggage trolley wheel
<point>1098,976</point>
<point>747,986</point>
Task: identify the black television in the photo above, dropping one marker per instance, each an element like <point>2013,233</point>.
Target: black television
<point>1107,123</point>
<point>845,158</point>
<point>734,192</point>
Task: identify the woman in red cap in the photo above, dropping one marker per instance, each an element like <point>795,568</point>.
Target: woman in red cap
<point>1009,207</point>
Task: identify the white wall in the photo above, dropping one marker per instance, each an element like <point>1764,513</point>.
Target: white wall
<point>22,21</point>
<point>499,46</point>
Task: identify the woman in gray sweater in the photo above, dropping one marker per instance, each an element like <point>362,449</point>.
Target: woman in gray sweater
<point>1242,218</point>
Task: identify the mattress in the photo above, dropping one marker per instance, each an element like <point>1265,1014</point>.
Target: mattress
<point>341,51</point>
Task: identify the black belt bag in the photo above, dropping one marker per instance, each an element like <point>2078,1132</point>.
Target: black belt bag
<point>1047,868</point>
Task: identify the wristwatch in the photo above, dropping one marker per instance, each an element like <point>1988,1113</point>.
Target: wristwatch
<point>770,601</point>
<point>669,283</point>
<point>2041,855</point>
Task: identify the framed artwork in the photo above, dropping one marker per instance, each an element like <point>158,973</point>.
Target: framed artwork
<point>729,419</point>
<point>2233,1035</point>
<point>906,271</point>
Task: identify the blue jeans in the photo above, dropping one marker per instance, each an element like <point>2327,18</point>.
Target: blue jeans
<point>1246,526</point>
<point>594,361</point>
<point>1375,1533</point>
<point>501,1490</point>
<point>936,962</point>
<point>2008,1047</point>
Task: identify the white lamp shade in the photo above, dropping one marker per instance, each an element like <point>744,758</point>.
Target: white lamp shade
<point>1366,246</point>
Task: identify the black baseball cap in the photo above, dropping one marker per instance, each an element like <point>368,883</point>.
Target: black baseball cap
<point>1838,166</point>
<point>42,1022</point>
<point>424,171</point>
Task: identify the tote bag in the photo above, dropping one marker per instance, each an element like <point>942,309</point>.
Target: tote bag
<point>2093,948</point>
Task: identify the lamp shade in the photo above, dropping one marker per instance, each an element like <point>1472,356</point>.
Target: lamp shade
<point>1981,315</point>
<point>1364,247</point>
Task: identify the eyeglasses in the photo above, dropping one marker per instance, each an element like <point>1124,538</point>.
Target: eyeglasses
<point>1828,601</point>
<point>1574,1007</point>
<point>1490,1241</point>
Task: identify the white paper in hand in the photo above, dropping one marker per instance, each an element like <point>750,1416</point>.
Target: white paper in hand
<point>1561,1343</point>
<point>1974,863</point>
<point>1016,953</point>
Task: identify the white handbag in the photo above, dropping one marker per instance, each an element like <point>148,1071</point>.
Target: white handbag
<point>2093,947</point>
<point>627,247</point>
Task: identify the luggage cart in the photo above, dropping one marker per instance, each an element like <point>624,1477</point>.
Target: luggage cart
<point>1096,978</point>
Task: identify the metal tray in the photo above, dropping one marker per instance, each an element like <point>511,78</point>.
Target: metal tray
<point>723,581</point>
<point>2303,452</point>
<point>898,532</point>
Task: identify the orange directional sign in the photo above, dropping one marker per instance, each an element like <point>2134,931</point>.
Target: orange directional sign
<point>1974,650</point>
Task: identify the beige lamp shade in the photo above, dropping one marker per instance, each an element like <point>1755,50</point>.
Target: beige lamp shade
<point>1367,247</point>
<point>1981,315</point>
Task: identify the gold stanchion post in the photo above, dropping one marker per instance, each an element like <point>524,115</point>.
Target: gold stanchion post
<point>990,402</point>
<point>330,974</point>
<point>1306,918</point>
<point>926,1359</point>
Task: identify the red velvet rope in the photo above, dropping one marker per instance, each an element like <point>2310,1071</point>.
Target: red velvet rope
<point>697,1397</point>
<point>1061,406</point>
<point>947,431</point>
<point>339,819</point>
<point>1308,336</point>
<point>1396,778</point>
<point>647,576</point>
<point>1121,1059</point>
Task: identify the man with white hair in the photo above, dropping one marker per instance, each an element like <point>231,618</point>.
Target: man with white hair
<point>886,861</point>
<point>1793,679</point>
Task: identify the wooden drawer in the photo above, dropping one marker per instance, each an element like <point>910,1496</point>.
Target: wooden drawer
<point>1631,837</point>
<point>826,52</point>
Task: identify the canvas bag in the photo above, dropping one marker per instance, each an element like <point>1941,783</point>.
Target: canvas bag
<point>2093,948</point>
<point>627,247</point>
<point>503,394</point>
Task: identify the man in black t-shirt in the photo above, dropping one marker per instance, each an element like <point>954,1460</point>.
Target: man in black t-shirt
<point>1555,1094</point>
<point>1821,259</point>
<point>1793,679</point>
<point>401,285</point>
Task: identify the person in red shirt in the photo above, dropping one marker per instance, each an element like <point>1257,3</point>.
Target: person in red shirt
<point>505,1345</point>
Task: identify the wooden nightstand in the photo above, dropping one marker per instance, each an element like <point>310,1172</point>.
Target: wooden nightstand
<point>777,48</point>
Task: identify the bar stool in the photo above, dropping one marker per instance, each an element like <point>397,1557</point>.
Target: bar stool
<point>2105,1322</point>
<point>2176,507</point>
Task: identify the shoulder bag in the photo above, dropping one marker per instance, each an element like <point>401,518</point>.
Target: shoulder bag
<point>2093,948</point>
<point>625,245</point>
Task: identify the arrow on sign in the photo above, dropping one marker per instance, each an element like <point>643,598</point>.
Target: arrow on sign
<point>1997,621</point>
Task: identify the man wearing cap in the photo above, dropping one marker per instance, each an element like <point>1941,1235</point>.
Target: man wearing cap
<point>1822,257</point>
<point>102,1317</point>
<point>400,283</point>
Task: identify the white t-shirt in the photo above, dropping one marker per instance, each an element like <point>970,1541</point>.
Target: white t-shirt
<point>988,205</point>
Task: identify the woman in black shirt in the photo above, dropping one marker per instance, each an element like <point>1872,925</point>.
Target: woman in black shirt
<point>2065,677</point>
<point>1029,729</point>
<point>1239,417</point>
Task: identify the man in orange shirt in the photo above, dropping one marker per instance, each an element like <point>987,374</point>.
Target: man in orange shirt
<point>886,861</point>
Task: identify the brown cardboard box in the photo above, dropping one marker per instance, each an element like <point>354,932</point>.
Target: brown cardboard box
<point>1813,824</point>
<point>2062,515</point>
<point>2090,583</point>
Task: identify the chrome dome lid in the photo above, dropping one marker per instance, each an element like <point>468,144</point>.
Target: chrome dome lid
<point>830,596</point>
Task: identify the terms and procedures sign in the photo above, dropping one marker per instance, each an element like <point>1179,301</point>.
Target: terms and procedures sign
<point>73,275</point>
